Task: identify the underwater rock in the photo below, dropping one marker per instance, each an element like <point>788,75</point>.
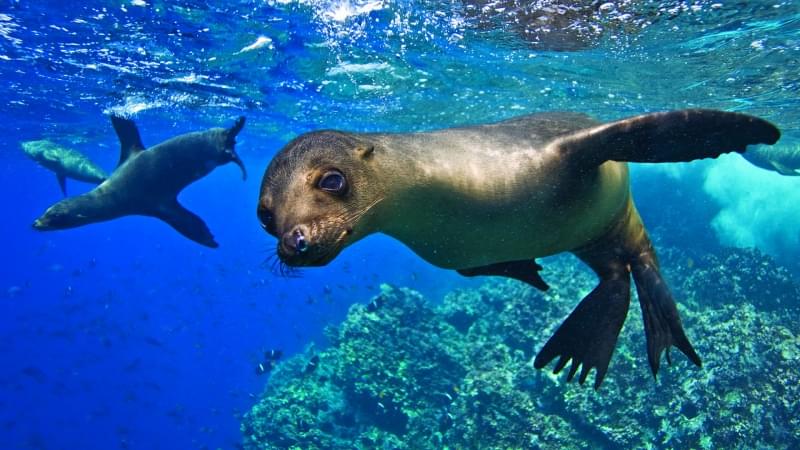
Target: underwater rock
<point>407,374</point>
<point>745,396</point>
<point>740,275</point>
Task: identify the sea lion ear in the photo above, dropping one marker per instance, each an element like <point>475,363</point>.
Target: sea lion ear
<point>365,151</point>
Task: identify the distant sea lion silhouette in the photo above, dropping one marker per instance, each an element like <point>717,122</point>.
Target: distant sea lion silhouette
<point>147,182</point>
<point>784,159</point>
<point>65,162</point>
<point>488,199</point>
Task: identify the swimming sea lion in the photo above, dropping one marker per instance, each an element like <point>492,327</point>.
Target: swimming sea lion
<point>784,159</point>
<point>65,162</point>
<point>488,199</point>
<point>147,182</point>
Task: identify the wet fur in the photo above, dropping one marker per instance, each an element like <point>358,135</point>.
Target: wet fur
<point>475,198</point>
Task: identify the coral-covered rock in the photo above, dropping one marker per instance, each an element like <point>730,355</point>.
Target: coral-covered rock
<point>742,275</point>
<point>401,373</point>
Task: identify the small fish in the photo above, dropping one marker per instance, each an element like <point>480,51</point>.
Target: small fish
<point>265,367</point>
<point>13,291</point>
<point>376,303</point>
<point>153,341</point>
<point>273,355</point>
<point>312,365</point>
<point>261,41</point>
<point>270,359</point>
<point>35,373</point>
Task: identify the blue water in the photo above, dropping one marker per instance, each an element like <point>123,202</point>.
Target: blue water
<point>126,335</point>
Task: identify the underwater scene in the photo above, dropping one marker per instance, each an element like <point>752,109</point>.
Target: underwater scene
<point>390,224</point>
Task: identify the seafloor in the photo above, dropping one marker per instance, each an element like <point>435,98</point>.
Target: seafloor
<point>403,373</point>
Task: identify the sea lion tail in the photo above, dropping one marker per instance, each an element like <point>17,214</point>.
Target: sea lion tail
<point>674,136</point>
<point>589,334</point>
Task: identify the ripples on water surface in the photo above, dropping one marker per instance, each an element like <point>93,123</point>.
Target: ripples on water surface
<point>401,65</point>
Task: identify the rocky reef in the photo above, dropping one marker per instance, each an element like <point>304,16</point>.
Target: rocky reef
<point>403,373</point>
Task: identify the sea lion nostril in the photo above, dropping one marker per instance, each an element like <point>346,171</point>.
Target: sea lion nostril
<point>300,244</point>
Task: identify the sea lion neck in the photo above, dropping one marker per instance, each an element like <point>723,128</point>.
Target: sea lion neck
<point>434,172</point>
<point>407,196</point>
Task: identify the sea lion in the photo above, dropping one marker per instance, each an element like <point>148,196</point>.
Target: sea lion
<point>488,199</point>
<point>147,182</point>
<point>65,162</point>
<point>784,159</point>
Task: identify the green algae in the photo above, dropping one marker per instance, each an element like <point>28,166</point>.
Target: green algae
<point>409,374</point>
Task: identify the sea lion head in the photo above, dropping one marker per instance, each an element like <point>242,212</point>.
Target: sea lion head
<point>59,216</point>
<point>317,195</point>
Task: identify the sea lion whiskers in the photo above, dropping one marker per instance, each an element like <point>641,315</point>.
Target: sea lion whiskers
<point>326,247</point>
<point>345,218</point>
<point>358,214</point>
<point>278,267</point>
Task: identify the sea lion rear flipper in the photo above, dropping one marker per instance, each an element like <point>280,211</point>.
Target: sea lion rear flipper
<point>230,143</point>
<point>62,183</point>
<point>235,129</point>
<point>675,136</point>
<point>129,140</point>
<point>589,334</point>
<point>186,223</point>
<point>662,324</point>
<point>526,270</point>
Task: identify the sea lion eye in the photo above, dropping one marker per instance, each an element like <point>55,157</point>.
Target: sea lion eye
<point>266,219</point>
<point>333,181</point>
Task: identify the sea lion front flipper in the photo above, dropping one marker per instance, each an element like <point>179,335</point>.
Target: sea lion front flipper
<point>589,334</point>
<point>62,183</point>
<point>662,324</point>
<point>129,140</point>
<point>186,223</point>
<point>526,270</point>
<point>675,136</point>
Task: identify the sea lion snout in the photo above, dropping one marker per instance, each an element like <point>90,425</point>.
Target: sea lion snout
<point>299,246</point>
<point>40,224</point>
<point>295,242</point>
<point>56,217</point>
